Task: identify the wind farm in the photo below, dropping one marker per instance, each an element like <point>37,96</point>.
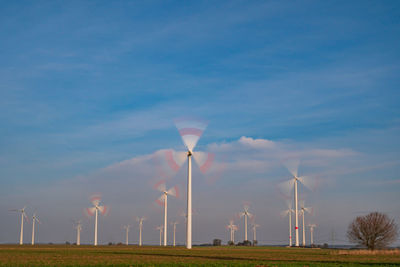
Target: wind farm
<point>227,133</point>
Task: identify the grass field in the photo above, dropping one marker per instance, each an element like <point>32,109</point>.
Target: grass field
<point>60,255</point>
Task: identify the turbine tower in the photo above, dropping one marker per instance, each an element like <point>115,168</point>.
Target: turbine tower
<point>173,191</point>
<point>78,228</point>
<point>96,200</point>
<point>312,226</point>
<point>245,214</point>
<point>174,227</point>
<point>34,219</point>
<point>292,166</point>
<point>289,212</point>
<point>255,233</point>
<point>127,227</point>
<point>140,221</point>
<point>160,228</point>
<point>23,215</point>
<point>303,211</point>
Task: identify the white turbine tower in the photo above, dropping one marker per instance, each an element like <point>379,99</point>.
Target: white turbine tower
<point>34,219</point>
<point>174,227</point>
<point>292,166</point>
<point>160,228</point>
<point>231,227</point>
<point>254,227</point>
<point>78,228</point>
<point>127,227</point>
<point>173,191</point>
<point>303,211</point>
<point>245,214</point>
<point>312,226</point>
<point>96,200</point>
<point>190,131</point>
<point>140,221</point>
<point>288,213</point>
<point>23,215</point>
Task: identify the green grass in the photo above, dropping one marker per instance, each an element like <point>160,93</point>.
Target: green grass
<point>60,255</point>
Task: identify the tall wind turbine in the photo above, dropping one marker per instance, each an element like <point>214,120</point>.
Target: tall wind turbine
<point>245,214</point>
<point>96,200</point>
<point>254,227</point>
<point>312,226</point>
<point>23,215</point>
<point>127,227</point>
<point>140,221</point>
<point>190,131</point>
<point>160,228</point>
<point>78,228</point>
<point>173,191</point>
<point>303,211</point>
<point>174,227</point>
<point>292,166</point>
<point>34,219</point>
<point>288,213</point>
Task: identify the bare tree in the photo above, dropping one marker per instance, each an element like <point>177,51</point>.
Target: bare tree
<point>375,230</point>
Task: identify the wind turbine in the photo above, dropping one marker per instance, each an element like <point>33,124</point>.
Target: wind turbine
<point>174,227</point>
<point>254,226</point>
<point>23,215</point>
<point>293,166</point>
<point>160,228</point>
<point>96,200</point>
<point>140,221</point>
<point>303,211</point>
<point>127,227</point>
<point>34,219</point>
<point>78,228</point>
<point>190,131</point>
<point>289,212</point>
<point>246,214</point>
<point>312,226</point>
<point>173,191</point>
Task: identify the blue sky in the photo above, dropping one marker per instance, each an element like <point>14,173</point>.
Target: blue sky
<point>87,85</point>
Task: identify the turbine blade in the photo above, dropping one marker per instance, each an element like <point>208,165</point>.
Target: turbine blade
<point>160,200</point>
<point>190,130</point>
<point>90,211</point>
<point>174,191</point>
<point>286,187</point>
<point>292,164</point>
<point>160,186</point>
<point>204,160</point>
<point>104,210</point>
<point>95,199</point>
<point>308,182</point>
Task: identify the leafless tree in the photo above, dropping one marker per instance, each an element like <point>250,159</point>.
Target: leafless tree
<point>374,231</point>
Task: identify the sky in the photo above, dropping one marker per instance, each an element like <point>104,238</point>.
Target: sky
<point>89,91</point>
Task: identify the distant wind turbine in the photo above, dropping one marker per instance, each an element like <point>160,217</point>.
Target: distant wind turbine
<point>288,213</point>
<point>232,228</point>
<point>23,215</point>
<point>34,219</point>
<point>303,211</point>
<point>160,228</point>
<point>254,227</point>
<point>140,221</point>
<point>312,226</point>
<point>292,165</point>
<point>173,191</point>
<point>78,228</point>
<point>174,227</point>
<point>96,200</point>
<point>245,214</point>
<point>127,227</point>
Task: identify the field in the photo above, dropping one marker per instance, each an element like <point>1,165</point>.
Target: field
<point>63,255</point>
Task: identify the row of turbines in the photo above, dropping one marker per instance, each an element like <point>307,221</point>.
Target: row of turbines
<point>191,131</point>
<point>25,217</point>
